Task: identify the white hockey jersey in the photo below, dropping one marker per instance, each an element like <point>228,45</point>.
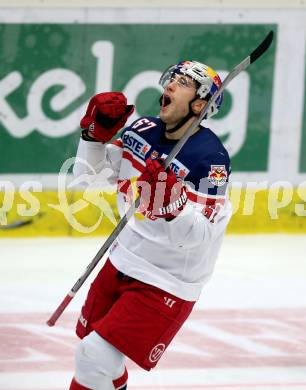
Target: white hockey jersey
<point>177,256</point>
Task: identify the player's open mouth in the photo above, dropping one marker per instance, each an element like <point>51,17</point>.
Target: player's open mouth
<point>166,101</point>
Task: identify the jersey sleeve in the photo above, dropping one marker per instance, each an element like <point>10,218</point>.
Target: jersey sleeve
<point>207,187</point>
<point>99,162</point>
<point>208,209</point>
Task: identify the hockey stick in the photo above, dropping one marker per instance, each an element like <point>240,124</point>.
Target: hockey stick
<point>20,223</point>
<point>16,224</point>
<point>258,52</point>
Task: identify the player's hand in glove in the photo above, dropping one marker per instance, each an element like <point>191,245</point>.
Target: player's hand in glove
<point>162,194</point>
<point>106,114</point>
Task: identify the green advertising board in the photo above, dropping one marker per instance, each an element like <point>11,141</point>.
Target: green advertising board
<point>303,143</point>
<point>48,72</point>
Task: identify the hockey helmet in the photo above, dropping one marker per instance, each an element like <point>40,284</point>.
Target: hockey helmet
<point>207,81</point>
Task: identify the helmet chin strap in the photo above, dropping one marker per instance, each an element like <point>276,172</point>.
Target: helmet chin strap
<point>182,121</point>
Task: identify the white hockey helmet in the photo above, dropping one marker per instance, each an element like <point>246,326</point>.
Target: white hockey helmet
<point>207,80</point>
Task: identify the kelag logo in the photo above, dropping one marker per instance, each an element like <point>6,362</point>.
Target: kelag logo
<point>49,72</point>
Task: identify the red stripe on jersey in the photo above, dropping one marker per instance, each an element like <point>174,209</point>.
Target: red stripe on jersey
<point>125,187</point>
<point>121,382</point>
<point>211,205</point>
<point>205,199</point>
<point>118,142</point>
<point>136,164</point>
<point>76,386</point>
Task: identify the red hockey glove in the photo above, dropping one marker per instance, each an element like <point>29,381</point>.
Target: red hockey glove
<point>162,194</point>
<point>106,114</point>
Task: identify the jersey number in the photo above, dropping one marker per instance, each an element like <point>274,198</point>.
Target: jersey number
<point>142,122</point>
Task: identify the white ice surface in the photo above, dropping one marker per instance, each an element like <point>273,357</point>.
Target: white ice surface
<point>252,272</point>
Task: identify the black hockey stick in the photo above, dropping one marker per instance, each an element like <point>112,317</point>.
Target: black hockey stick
<point>20,223</point>
<point>258,52</point>
<point>16,224</point>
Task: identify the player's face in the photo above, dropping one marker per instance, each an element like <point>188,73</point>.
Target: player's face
<point>175,101</point>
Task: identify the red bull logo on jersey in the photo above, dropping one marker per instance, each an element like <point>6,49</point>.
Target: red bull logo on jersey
<point>154,154</point>
<point>217,175</point>
<point>177,167</point>
<point>136,144</point>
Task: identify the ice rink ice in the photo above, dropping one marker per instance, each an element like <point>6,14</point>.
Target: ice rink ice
<point>248,330</point>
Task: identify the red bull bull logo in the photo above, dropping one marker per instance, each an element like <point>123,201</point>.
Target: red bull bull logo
<point>154,154</point>
<point>214,76</point>
<point>217,81</point>
<point>217,175</point>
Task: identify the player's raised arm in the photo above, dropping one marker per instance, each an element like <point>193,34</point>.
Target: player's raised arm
<point>105,116</point>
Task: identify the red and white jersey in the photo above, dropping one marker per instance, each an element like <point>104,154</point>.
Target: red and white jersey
<point>177,256</point>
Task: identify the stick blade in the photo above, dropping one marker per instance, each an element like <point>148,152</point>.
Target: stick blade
<point>262,48</point>
<point>58,312</point>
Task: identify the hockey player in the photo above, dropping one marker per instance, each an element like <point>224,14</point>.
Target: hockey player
<point>160,261</point>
